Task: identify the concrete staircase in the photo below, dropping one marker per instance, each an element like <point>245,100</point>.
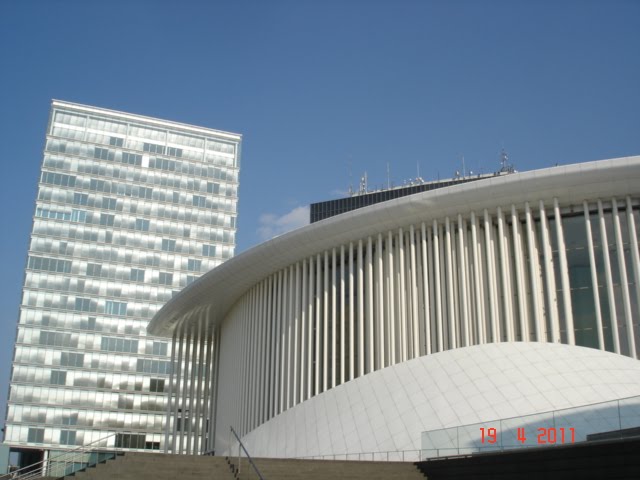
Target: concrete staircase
<point>150,466</point>
<point>158,466</point>
<point>286,469</point>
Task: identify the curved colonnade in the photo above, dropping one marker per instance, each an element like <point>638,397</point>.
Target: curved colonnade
<point>543,256</point>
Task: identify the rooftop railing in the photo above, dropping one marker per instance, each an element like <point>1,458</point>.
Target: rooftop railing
<point>612,419</point>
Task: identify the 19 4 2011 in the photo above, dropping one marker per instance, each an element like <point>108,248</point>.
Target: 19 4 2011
<point>545,436</point>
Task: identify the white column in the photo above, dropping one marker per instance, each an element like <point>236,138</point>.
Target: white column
<point>534,275</point>
<point>402,298</point>
<point>438,288</point>
<point>285,331</point>
<point>245,353</point>
<point>199,381</point>
<point>391,304</point>
<point>210,368</point>
<point>564,275</point>
<point>455,283</point>
<point>425,290</point>
<point>380,305</point>
<point>310,328</point>
<point>343,317</point>
<point>291,332</point>
<point>236,375</point>
<point>334,343</point>
<point>239,377</point>
<point>278,344</point>
<point>185,383</point>
<point>494,290</point>
<point>462,268</point>
<point>468,285</point>
<point>325,323</point>
<point>304,380</point>
<point>414,294</point>
<point>273,338</point>
<point>318,319</point>
<point>296,338</point>
<point>431,263</point>
<point>624,283</point>
<point>420,314</point>
<point>250,353</point>
<point>408,301</point>
<point>549,275</point>
<point>520,281</point>
<point>506,283</point>
<point>478,281</point>
<point>202,387</point>
<point>251,341</point>
<point>609,280</point>
<point>265,337</point>
<point>360,333</point>
<point>594,277</point>
<point>351,315</point>
<point>262,346</point>
<point>491,276</point>
<point>270,339</point>
<point>452,320</point>
<point>255,339</point>
<point>444,303</point>
<point>370,320</point>
<point>214,386</point>
<point>174,388</point>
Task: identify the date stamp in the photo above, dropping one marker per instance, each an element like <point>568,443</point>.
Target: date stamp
<point>540,436</point>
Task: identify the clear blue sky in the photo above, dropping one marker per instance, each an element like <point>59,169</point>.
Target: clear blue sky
<point>319,89</point>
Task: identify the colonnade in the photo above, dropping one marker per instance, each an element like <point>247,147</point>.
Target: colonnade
<point>497,275</point>
<point>191,409</point>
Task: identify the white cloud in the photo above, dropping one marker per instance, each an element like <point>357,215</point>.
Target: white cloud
<point>272,225</point>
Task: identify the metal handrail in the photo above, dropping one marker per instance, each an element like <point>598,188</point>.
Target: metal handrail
<point>378,456</point>
<point>241,445</point>
<point>40,469</point>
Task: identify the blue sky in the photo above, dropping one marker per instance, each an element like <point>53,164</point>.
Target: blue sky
<point>322,92</point>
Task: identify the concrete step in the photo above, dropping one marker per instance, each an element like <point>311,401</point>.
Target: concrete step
<point>157,466</point>
<point>284,469</point>
<point>135,466</point>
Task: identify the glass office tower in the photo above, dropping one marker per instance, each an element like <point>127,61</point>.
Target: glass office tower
<point>129,210</point>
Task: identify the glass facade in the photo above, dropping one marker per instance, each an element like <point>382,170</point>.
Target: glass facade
<point>129,210</point>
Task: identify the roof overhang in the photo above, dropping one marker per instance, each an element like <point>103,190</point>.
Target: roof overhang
<point>218,290</point>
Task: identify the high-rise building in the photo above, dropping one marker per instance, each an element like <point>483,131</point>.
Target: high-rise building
<point>129,210</point>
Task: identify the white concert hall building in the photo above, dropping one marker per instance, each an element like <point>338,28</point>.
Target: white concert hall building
<point>498,298</point>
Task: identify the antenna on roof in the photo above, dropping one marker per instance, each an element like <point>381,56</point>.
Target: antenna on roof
<point>505,166</point>
<point>388,176</point>
<point>350,177</point>
<point>363,183</point>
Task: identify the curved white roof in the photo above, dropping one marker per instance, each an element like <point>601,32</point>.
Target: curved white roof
<point>218,290</point>
<point>387,410</point>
